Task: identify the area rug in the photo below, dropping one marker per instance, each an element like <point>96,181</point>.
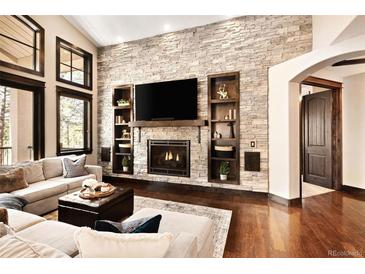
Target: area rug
<point>221,218</point>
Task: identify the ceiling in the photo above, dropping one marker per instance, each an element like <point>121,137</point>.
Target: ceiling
<point>104,30</point>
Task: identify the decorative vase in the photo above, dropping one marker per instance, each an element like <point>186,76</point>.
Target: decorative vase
<point>223,177</point>
<point>125,169</point>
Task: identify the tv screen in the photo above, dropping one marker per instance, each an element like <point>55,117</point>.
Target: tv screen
<point>172,100</point>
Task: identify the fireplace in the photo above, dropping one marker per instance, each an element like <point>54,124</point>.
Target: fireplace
<point>169,157</point>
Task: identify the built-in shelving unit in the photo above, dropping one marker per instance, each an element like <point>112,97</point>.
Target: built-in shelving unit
<point>123,116</point>
<point>220,121</point>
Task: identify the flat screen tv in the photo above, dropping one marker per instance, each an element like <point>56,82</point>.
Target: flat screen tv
<point>172,100</point>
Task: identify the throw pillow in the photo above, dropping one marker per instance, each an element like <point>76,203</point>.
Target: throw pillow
<point>75,168</point>
<point>95,244</point>
<point>52,167</point>
<point>33,171</point>
<point>12,246</point>
<point>11,201</point>
<point>13,180</point>
<point>143,225</point>
<point>4,215</point>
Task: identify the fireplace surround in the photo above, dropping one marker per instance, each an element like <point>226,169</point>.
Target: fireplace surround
<point>169,157</point>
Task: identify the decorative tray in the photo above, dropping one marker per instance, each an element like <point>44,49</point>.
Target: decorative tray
<point>99,190</point>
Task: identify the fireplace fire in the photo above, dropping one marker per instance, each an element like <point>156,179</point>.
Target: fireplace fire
<point>169,157</point>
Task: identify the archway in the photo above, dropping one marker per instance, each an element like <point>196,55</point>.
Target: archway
<point>284,118</point>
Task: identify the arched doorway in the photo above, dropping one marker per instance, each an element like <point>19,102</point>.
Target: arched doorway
<point>284,114</point>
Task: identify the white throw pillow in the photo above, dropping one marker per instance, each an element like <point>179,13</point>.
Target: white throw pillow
<point>95,244</point>
<point>52,167</point>
<point>12,246</point>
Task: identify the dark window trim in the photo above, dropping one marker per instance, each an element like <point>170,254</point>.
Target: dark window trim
<point>62,91</point>
<point>41,51</point>
<point>88,58</point>
<point>37,88</point>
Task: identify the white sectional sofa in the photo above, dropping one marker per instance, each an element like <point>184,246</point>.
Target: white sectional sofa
<point>42,196</point>
<point>192,235</point>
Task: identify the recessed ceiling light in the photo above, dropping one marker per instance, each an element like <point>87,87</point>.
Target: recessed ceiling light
<point>119,39</point>
<point>166,27</point>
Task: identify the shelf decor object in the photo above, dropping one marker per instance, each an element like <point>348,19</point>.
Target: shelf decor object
<point>224,119</point>
<point>122,131</point>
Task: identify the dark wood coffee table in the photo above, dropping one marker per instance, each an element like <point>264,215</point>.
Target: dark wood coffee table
<point>80,212</point>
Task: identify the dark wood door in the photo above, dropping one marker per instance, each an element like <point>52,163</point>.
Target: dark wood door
<point>318,138</point>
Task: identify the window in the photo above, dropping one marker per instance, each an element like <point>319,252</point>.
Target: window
<point>21,44</point>
<point>74,65</point>
<point>74,122</point>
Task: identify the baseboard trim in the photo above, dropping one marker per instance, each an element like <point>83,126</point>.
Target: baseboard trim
<point>352,189</point>
<point>183,187</point>
<point>287,202</point>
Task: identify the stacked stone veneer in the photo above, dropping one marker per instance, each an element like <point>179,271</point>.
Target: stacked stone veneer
<point>249,44</point>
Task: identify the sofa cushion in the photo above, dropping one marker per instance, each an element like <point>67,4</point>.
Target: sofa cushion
<point>12,180</point>
<point>19,220</point>
<point>95,244</point>
<point>175,222</point>
<point>75,167</point>
<point>55,234</point>
<point>12,201</point>
<point>73,182</point>
<point>183,246</point>
<point>52,167</point>
<point>41,190</point>
<point>13,246</point>
<point>33,171</point>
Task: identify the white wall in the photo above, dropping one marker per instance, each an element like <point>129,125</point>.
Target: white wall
<point>326,28</point>
<point>59,26</point>
<point>353,98</point>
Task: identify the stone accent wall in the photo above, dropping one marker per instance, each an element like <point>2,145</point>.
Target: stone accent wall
<point>249,44</point>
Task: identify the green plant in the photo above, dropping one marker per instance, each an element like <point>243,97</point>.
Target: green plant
<point>125,161</point>
<point>224,168</point>
<point>123,102</point>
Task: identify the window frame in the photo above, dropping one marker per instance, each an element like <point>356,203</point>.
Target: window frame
<point>88,63</point>
<point>38,90</point>
<point>88,127</point>
<point>41,50</point>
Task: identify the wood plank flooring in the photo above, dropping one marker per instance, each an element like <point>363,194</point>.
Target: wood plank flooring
<point>332,222</point>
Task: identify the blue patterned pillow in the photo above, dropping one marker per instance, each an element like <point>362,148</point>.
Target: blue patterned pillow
<point>143,225</point>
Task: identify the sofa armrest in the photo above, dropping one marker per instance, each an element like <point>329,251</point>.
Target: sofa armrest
<point>184,245</point>
<point>96,170</point>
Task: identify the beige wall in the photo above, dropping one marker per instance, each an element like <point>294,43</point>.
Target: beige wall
<point>21,109</point>
<point>58,26</point>
<point>353,99</point>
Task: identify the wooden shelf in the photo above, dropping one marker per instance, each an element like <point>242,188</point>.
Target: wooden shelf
<point>224,121</point>
<point>219,108</point>
<point>122,107</point>
<point>223,101</point>
<point>223,159</point>
<point>122,92</point>
<point>224,139</point>
<point>122,124</point>
<point>173,123</point>
<point>218,181</point>
<point>120,171</point>
<point>122,154</point>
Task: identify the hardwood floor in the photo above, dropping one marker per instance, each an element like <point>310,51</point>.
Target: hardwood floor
<point>260,228</point>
